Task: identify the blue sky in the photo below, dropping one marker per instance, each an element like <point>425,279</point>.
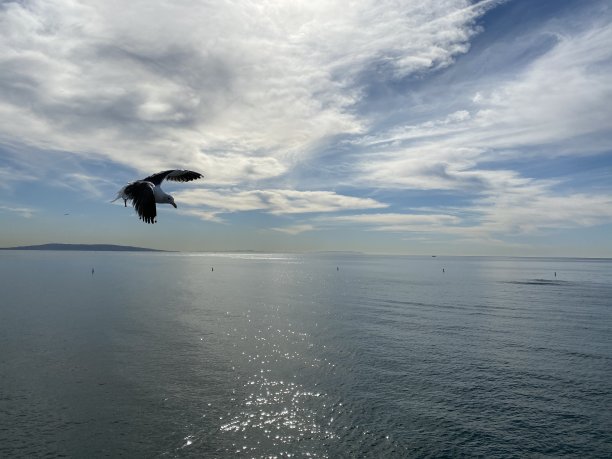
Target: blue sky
<point>406,127</point>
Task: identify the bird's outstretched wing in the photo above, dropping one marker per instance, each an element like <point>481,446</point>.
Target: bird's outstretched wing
<point>175,175</point>
<point>141,194</point>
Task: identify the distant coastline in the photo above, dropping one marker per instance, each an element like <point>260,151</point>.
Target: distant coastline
<point>84,247</point>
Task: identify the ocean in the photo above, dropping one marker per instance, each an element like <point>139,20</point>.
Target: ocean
<point>303,355</point>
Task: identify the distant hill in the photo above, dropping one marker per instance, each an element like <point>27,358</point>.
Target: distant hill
<point>89,247</point>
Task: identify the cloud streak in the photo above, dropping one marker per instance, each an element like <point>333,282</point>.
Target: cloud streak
<point>24,212</point>
<point>546,110</point>
<point>276,202</point>
<point>294,229</point>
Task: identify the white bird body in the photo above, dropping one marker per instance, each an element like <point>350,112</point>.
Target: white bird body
<point>145,193</point>
<point>161,197</point>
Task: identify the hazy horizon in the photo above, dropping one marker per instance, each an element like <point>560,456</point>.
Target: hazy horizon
<point>286,252</point>
<point>438,127</point>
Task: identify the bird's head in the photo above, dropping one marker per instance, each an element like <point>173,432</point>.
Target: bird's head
<point>170,200</point>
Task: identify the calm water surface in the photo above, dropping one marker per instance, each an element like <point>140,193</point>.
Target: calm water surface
<point>335,355</point>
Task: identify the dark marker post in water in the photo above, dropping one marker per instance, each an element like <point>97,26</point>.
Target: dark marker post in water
<point>92,271</point>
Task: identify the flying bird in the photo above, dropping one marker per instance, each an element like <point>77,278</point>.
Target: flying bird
<point>145,193</point>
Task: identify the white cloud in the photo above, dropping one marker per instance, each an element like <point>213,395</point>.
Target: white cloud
<point>395,218</point>
<point>396,222</point>
<point>202,215</point>
<point>533,209</point>
<point>545,110</point>
<point>277,202</point>
<point>231,168</point>
<point>516,208</point>
<point>564,94</point>
<point>24,212</point>
<point>92,185</point>
<point>240,89</point>
<point>294,229</point>
<point>9,176</point>
<point>560,104</point>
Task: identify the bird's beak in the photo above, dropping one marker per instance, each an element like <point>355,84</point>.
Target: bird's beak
<point>173,204</point>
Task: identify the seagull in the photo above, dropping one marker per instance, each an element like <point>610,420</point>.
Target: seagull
<point>146,192</point>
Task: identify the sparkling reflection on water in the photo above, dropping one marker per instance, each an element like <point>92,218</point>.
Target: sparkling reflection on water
<point>276,405</point>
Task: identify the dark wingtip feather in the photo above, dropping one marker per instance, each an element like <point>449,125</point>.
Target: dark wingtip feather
<point>184,176</point>
<point>175,175</point>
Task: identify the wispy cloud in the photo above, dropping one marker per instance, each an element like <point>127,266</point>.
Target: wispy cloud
<point>10,176</point>
<point>527,208</point>
<point>275,202</point>
<point>395,222</point>
<point>294,229</point>
<point>95,186</point>
<point>202,215</point>
<point>536,209</point>
<point>546,110</point>
<point>24,212</point>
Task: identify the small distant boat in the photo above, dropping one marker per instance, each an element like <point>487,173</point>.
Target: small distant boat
<point>434,256</point>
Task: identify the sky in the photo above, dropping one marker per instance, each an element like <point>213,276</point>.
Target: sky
<point>448,127</point>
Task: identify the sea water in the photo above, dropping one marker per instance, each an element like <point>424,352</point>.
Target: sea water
<point>289,355</point>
